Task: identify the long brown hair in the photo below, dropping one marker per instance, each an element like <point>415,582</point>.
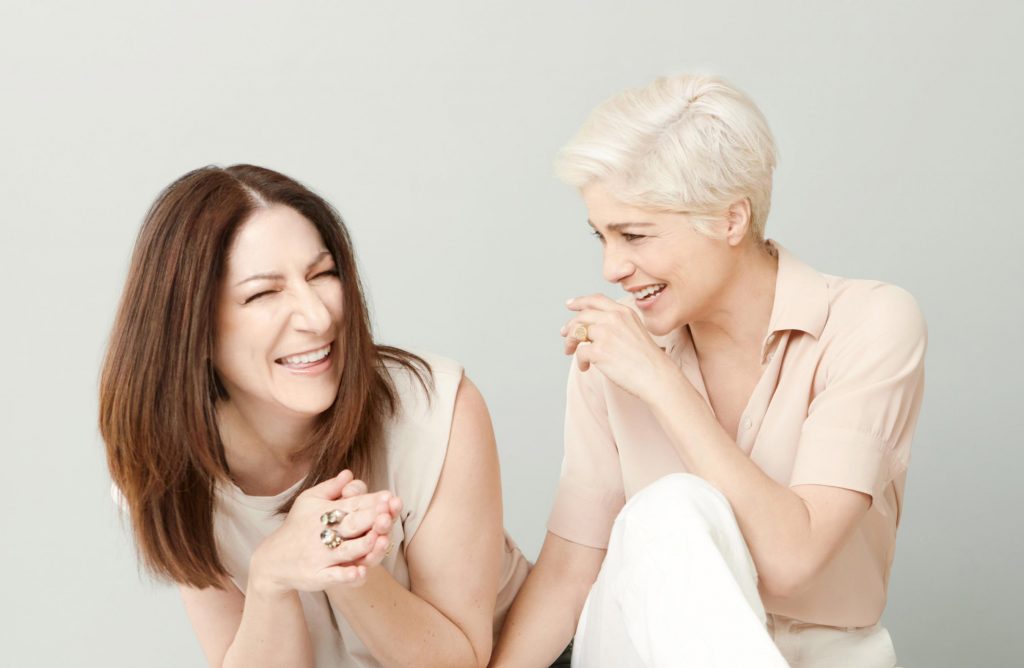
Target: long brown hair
<point>158,388</point>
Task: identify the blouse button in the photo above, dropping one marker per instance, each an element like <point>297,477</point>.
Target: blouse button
<point>747,422</point>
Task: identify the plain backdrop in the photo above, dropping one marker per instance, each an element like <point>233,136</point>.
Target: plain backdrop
<point>432,127</point>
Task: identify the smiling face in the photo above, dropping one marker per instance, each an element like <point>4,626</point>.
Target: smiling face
<point>279,317</point>
<point>675,273</point>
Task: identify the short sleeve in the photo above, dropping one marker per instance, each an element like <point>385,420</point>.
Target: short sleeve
<point>590,491</point>
<point>859,427</point>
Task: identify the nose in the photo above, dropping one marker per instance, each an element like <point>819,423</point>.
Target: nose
<point>616,266</point>
<point>311,314</point>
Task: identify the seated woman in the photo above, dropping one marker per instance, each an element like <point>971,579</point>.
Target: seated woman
<point>738,427</point>
<point>320,499</point>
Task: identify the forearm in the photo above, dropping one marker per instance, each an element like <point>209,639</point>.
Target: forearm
<point>272,632</point>
<point>776,522</point>
<point>401,629</point>
<point>547,609</point>
<point>540,623</point>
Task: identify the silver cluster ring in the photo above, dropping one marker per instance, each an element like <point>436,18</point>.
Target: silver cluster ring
<point>331,538</point>
<point>332,517</point>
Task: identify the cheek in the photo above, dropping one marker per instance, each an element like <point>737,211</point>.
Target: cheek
<point>238,349</point>
<point>334,301</point>
<point>230,361</point>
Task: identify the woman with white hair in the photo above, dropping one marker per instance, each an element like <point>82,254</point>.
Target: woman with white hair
<point>737,428</point>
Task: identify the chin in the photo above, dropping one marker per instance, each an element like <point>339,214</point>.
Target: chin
<point>660,326</point>
<point>310,406</point>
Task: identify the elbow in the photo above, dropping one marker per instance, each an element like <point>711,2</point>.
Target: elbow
<point>782,587</point>
<point>475,653</point>
<point>787,580</point>
<point>478,661</point>
<point>482,657</point>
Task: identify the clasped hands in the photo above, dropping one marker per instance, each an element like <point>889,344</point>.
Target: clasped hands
<point>296,558</point>
<point>617,343</point>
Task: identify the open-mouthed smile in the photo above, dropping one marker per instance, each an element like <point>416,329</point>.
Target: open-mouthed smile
<point>308,360</point>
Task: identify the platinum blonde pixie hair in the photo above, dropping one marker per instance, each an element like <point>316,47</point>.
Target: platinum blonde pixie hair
<point>687,144</point>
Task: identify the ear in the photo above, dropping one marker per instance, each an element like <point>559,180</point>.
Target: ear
<point>737,220</point>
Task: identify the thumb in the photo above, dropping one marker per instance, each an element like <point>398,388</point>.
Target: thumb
<point>353,575</point>
<point>332,487</point>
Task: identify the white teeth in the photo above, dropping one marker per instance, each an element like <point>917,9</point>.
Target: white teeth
<point>306,358</point>
<point>650,291</point>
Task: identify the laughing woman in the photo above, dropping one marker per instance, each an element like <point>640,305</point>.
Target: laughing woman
<point>738,427</point>
<point>319,499</point>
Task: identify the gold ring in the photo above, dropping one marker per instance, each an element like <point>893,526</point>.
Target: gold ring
<point>580,333</point>
<point>331,538</point>
<point>332,517</point>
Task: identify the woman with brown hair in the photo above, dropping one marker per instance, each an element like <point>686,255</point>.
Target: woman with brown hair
<point>308,489</point>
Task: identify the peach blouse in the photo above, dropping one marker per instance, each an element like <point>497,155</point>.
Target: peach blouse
<point>836,405</point>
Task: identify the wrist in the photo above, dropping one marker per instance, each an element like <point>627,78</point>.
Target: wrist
<point>261,583</point>
<point>665,387</point>
<point>266,589</point>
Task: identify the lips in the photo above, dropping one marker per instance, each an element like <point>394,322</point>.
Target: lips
<point>650,291</point>
<point>305,359</point>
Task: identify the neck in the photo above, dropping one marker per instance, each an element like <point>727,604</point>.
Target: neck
<point>741,311</point>
<point>262,447</point>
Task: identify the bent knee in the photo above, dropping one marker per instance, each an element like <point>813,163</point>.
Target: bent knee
<point>680,490</point>
<point>678,498</point>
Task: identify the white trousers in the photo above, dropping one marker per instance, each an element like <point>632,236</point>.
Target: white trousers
<point>678,588</point>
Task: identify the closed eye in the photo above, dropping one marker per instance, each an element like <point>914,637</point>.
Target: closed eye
<point>258,295</point>
<point>632,237</point>
<point>597,235</point>
<point>329,272</point>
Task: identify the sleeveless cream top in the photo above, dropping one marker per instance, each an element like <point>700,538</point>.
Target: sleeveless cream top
<point>415,441</point>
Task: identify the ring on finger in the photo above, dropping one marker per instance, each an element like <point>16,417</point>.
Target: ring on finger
<point>581,333</point>
<point>332,517</point>
<point>331,538</point>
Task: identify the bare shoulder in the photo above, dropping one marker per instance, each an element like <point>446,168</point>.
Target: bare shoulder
<point>471,424</point>
<point>468,398</point>
<point>469,471</point>
<point>464,519</point>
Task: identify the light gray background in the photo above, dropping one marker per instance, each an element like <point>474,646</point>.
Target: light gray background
<point>432,127</point>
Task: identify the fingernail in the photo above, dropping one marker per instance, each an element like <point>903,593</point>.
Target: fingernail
<point>570,301</point>
<point>563,330</point>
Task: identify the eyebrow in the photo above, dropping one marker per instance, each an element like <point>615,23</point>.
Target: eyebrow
<point>618,226</point>
<point>276,276</point>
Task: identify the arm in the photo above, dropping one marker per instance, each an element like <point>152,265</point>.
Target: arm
<point>454,561</point>
<point>590,494</point>
<point>874,376</point>
<point>253,630</point>
<point>267,626</point>
<point>791,532</point>
<point>545,613</point>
